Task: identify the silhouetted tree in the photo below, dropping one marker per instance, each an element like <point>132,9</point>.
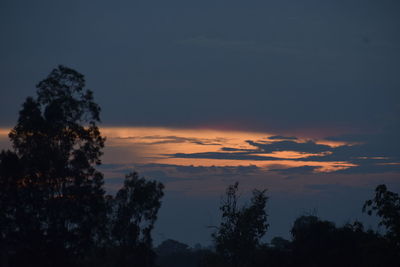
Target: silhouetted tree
<point>386,204</point>
<point>312,239</point>
<point>133,214</point>
<point>57,193</point>
<point>320,243</point>
<point>172,253</point>
<point>241,229</point>
<point>171,246</point>
<point>53,207</point>
<point>280,243</point>
<point>10,171</point>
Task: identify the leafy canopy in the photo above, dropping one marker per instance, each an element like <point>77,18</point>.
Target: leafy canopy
<point>241,229</point>
<point>386,204</point>
<point>54,210</point>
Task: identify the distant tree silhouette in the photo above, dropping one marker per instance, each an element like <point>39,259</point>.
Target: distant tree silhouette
<point>386,204</point>
<point>320,243</point>
<point>171,246</point>
<point>133,214</point>
<point>312,239</point>
<point>172,253</point>
<point>280,243</point>
<point>241,229</point>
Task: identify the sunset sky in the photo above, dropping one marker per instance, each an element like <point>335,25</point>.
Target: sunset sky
<point>299,97</point>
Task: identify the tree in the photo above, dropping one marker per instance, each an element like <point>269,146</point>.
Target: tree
<point>241,229</point>
<point>312,241</point>
<point>53,194</point>
<point>53,208</point>
<point>171,246</point>
<point>386,204</point>
<point>280,243</point>
<point>133,214</point>
<point>319,242</point>
<point>9,172</point>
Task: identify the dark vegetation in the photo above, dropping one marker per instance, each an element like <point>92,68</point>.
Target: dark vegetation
<point>314,242</point>
<point>54,210</point>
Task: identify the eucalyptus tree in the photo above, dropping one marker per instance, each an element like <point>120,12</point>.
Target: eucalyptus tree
<point>51,191</point>
<point>53,206</point>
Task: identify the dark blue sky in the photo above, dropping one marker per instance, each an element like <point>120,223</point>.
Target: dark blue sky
<point>326,69</point>
<point>258,64</point>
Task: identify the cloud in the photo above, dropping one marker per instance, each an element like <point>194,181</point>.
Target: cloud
<point>372,153</point>
<point>365,168</point>
<point>375,154</point>
<point>296,170</point>
<point>222,155</point>
<point>171,172</point>
<point>281,137</point>
<point>363,153</point>
<point>159,139</point>
<point>213,179</point>
<point>236,149</point>
<point>306,147</point>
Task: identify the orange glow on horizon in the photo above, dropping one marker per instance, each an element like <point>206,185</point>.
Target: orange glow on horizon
<point>4,131</point>
<point>290,154</point>
<point>143,145</point>
<point>159,144</point>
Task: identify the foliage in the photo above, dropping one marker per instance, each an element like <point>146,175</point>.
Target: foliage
<point>320,243</point>
<point>54,211</point>
<point>241,229</point>
<point>386,204</point>
<point>171,246</point>
<point>172,253</point>
<point>58,195</point>
<point>280,243</point>
<point>315,242</point>
<point>134,212</point>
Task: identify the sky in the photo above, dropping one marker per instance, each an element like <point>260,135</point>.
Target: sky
<point>300,97</point>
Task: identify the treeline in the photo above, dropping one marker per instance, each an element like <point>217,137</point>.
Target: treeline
<point>314,242</point>
<point>54,210</point>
